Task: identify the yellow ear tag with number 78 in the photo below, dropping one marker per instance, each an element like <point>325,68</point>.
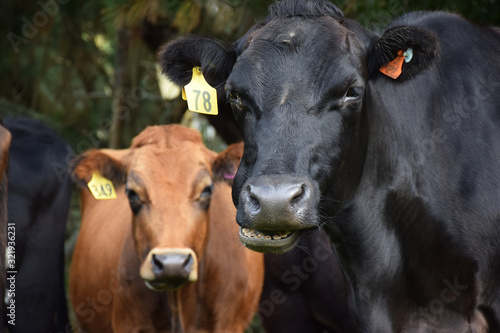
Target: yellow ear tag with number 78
<point>201,97</point>
<point>101,188</point>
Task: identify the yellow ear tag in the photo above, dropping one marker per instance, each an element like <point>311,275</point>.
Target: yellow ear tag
<point>201,97</point>
<point>101,188</point>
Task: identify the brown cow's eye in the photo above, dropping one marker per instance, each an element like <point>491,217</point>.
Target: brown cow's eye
<point>205,196</point>
<point>207,192</point>
<point>134,201</point>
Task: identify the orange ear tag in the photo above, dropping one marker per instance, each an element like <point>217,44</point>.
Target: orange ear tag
<point>393,69</point>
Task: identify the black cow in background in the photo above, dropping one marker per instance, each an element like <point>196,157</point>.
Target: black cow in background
<point>38,204</point>
<point>304,289</point>
<point>402,172</point>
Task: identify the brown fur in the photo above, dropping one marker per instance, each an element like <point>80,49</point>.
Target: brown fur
<point>95,160</point>
<point>222,165</point>
<point>107,293</point>
<point>165,136</point>
<point>4,160</point>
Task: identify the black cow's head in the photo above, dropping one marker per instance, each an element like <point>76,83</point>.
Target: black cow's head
<point>296,84</point>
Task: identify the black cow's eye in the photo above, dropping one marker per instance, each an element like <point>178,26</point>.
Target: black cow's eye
<point>134,201</point>
<point>353,93</point>
<point>233,95</point>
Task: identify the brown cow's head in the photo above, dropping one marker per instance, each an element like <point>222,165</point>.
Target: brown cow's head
<point>168,177</point>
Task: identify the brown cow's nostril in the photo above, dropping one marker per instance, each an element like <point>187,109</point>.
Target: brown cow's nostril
<point>158,261</point>
<point>187,263</point>
<point>178,265</point>
<point>169,268</point>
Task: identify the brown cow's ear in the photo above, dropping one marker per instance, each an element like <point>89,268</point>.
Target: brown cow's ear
<point>402,52</point>
<point>226,163</point>
<point>5,138</point>
<point>85,165</point>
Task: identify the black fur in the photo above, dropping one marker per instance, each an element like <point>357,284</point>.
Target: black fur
<point>215,58</point>
<point>39,193</point>
<point>291,8</point>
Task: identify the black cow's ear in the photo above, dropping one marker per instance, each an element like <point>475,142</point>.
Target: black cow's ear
<point>216,59</point>
<point>226,163</point>
<point>108,166</point>
<point>405,50</point>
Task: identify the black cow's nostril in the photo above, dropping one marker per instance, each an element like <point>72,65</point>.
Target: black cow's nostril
<point>273,203</point>
<point>253,199</point>
<point>298,193</point>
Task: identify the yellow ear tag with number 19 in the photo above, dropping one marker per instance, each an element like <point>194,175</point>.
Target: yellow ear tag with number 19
<point>101,188</point>
<point>200,96</point>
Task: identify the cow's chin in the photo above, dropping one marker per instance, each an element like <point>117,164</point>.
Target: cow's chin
<point>161,286</point>
<point>269,241</point>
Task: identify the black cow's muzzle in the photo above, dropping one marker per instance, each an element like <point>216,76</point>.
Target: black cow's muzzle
<point>272,210</point>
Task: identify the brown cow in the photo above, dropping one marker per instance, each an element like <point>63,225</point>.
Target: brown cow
<point>4,158</point>
<point>172,223</point>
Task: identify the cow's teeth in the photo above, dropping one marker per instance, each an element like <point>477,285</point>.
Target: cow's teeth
<point>284,233</point>
<point>252,233</point>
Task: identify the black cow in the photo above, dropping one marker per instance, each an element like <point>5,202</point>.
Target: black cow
<point>38,203</point>
<point>404,173</point>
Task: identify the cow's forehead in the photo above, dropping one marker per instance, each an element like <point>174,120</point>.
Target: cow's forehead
<point>301,42</point>
<point>300,30</point>
<point>178,163</point>
<point>295,58</point>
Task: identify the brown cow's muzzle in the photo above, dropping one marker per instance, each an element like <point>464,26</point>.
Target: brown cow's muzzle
<point>169,268</point>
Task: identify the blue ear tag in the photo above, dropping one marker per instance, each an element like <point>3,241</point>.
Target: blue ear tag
<point>408,55</point>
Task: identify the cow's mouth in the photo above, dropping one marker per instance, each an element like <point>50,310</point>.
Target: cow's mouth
<point>274,241</point>
<point>163,286</point>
